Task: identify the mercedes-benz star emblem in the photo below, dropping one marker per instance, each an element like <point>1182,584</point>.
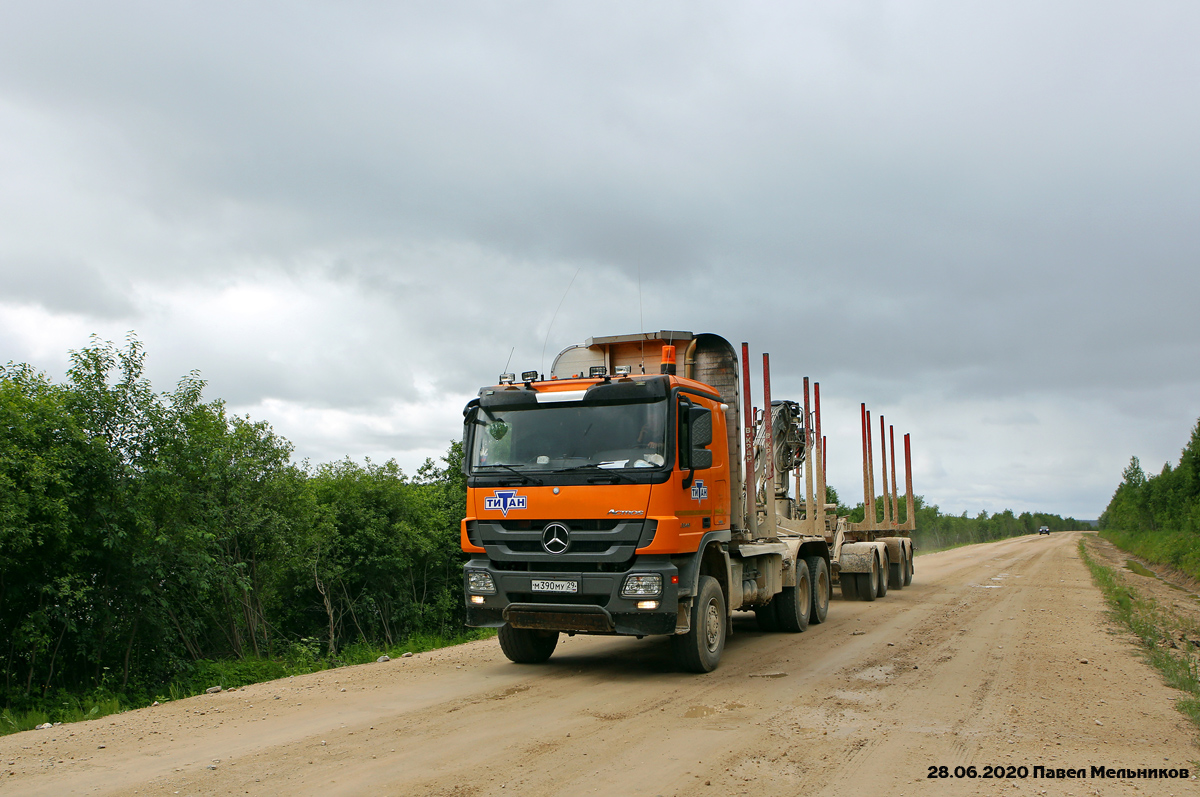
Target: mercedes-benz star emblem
<point>556,538</point>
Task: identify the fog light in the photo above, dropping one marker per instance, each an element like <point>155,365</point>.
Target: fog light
<point>476,599</point>
<point>480,581</point>
<point>647,604</point>
<point>642,585</point>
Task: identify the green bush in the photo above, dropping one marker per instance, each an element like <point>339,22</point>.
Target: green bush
<point>1158,517</point>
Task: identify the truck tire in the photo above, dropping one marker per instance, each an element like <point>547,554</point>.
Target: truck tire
<point>794,603</point>
<point>849,582</point>
<point>896,571</point>
<point>868,583</point>
<point>527,646</point>
<point>766,616</point>
<point>818,582</point>
<point>908,574</point>
<point>699,650</point>
<point>884,572</point>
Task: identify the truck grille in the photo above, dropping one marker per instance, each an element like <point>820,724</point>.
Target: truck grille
<point>592,542</point>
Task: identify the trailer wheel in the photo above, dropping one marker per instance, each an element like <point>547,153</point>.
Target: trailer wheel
<point>908,574</point>
<point>898,571</point>
<point>699,650</point>
<point>868,583</point>
<point>818,581</point>
<point>766,617</point>
<point>849,582</point>
<point>794,604</point>
<point>884,571</point>
<point>527,646</point>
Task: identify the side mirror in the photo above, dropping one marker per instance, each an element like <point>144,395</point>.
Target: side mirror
<point>469,415</point>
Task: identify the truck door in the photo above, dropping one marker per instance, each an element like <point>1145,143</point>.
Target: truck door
<point>695,465</point>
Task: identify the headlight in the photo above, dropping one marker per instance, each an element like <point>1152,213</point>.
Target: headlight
<point>642,585</point>
<point>480,581</point>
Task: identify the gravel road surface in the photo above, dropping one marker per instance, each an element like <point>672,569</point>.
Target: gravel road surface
<point>997,655</point>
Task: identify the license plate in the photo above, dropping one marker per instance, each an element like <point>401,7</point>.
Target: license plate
<point>554,585</point>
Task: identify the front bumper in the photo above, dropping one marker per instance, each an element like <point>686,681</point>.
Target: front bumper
<point>597,608</point>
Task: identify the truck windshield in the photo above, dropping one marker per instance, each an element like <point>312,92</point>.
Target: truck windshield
<point>554,437</point>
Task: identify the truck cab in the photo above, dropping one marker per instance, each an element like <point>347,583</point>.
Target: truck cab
<point>586,498</point>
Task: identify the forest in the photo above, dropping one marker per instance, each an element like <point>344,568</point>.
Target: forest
<point>152,542</point>
<point>142,534</point>
<point>1157,516</point>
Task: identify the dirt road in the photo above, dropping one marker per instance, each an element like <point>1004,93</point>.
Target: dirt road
<point>980,662</point>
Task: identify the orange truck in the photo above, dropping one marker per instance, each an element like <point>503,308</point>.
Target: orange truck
<point>606,500</point>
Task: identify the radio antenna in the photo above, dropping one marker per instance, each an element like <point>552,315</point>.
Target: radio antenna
<point>509,360</point>
<point>553,317</point>
<point>641,322</point>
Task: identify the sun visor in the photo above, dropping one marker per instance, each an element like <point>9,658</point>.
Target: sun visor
<point>624,391</point>
<point>507,397</point>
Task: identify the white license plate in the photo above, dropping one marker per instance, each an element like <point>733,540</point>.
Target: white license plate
<point>554,585</point>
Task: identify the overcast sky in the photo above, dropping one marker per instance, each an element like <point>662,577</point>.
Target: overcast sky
<point>981,219</point>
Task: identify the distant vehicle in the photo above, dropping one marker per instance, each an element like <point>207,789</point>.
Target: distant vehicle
<point>1044,530</point>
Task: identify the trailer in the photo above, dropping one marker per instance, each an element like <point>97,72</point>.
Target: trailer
<point>605,500</point>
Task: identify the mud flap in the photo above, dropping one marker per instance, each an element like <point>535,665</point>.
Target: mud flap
<point>683,620</point>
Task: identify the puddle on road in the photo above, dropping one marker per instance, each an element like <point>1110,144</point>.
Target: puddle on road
<point>699,711</point>
<point>1134,566</point>
<point>1138,568</point>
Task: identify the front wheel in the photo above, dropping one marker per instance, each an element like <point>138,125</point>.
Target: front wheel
<point>527,646</point>
<point>699,650</point>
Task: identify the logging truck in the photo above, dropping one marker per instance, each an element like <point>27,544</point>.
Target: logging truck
<point>602,499</point>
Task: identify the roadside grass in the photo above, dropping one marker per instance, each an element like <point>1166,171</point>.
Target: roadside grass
<point>300,658</point>
<point>1177,549</point>
<point>69,709</point>
<point>1159,631</point>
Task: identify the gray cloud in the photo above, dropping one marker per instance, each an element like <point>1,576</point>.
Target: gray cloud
<point>341,208</point>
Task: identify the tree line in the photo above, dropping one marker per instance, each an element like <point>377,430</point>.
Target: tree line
<point>1158,515</point>
<point>936,530</point>
<point>141,532</point>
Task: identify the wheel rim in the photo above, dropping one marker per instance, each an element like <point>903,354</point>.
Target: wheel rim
<point>712,627</point>
<point>822,589</point>
<point>805,596</point>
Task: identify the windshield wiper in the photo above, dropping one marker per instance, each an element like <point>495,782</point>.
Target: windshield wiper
<point>614,474</point>
<point>511,469</point>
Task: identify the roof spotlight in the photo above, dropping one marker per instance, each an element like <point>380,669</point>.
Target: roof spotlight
<point>596,370</point>
<point>529,376</point>
<point>623,370</point>
<point>507,379</point>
